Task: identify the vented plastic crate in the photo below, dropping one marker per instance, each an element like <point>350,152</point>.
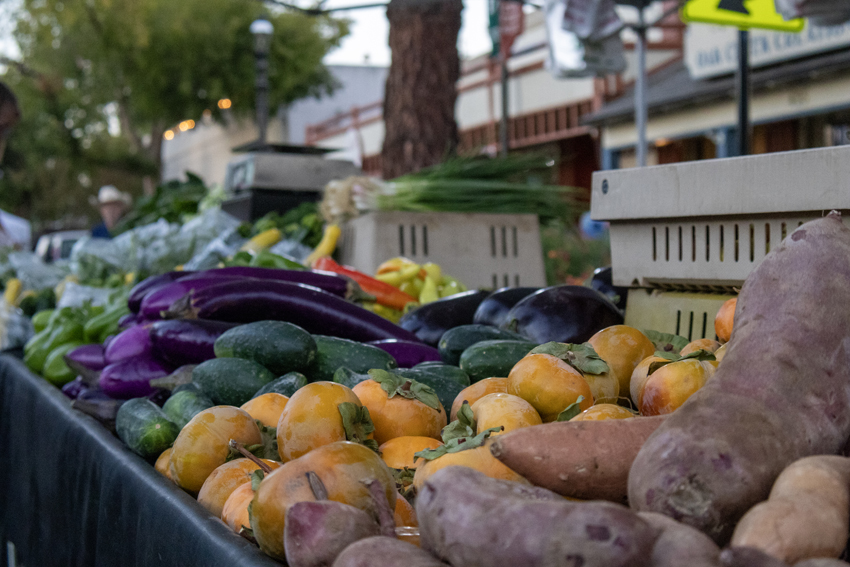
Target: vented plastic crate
<point>704,226</point>
<point>481,250</point>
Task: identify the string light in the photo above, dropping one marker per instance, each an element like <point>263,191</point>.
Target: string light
<point>168,135</point>
<point>224,103</point>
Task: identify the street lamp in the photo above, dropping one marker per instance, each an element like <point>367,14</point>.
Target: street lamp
<point>262,31</point>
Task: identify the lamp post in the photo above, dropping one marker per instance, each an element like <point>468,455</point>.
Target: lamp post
<point>262,31</point>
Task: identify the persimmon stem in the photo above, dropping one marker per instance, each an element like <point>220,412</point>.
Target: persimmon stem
<point>386,519</point>
<point>317,486</point>
<point>237,446</point>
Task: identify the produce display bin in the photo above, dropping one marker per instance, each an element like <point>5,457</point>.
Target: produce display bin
<point>481,250</point>
<point>692,232</point>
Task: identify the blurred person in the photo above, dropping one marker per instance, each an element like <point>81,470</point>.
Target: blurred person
<point>112,204</point>
<point>10,114</point>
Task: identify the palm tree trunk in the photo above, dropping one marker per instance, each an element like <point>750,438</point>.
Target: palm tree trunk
<point>419,102</point>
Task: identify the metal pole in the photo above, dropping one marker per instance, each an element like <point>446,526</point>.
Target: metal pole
<point>262,82</point>
<point>640,90</point>
<point>742,86</point>
<point>503,127</point>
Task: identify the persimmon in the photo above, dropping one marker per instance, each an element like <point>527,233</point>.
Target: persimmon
<point>400,407</point>
<point>234,513</point>
<point>161,465</point>
<point>601,412</point>
<point>725,319</point>
<point>622,347</point>
<point>312,418</point>
<point>708,345</point>
<point>670,386</point>
<point>549,384</point>
<point>398,452</point>
<point>477,391</point>
<point>478,458</point>
<point>221,483</point>
<point>202,445</point>
<point>504,410</point>
<point>404,513</point>
<point>266,408</point>
<point>720,353</point>
<point>639,377</point>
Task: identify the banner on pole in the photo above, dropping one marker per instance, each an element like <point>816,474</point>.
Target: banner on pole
<point>744,14</point>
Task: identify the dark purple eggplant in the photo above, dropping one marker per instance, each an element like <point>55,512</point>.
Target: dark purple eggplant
<point>326,281</point>
<point>186,341</point>
<point>431,320</point>
<point>494,309</point>
<point>132,343</point>
<point>149,285</point>
<point>87,361</point>
<point>316,311</point>
<point>131,378</point>
<point>160,300</point>
<point>128,321</point>
<point>602,282</point>
<point>408,354</point>
<point>74,388</point>
<point>564,313</point>
<point>94,402</point>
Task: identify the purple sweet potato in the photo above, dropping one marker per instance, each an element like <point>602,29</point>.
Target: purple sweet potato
<point>680,545</point>
<point>466,518</point>
<point>822,562</point>
<point>316,532</point>
<point>383,551</point>
<point>748,557</point>
<point>781,393</point>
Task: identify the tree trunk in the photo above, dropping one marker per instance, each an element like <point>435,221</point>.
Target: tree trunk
<point>419,102</point>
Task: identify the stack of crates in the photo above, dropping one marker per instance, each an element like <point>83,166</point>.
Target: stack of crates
<point>684,237</point>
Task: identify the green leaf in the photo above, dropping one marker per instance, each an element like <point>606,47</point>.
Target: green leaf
<point>357,424</point>
<point>581,357</point>
<point>701,355</point>
<point>666,342</point>
<point>456,445</point>
<point>269,444</point>
<point>395,385</point>
<point>256,478</point>
<point>671,356</point>
<point>658,364</point>
<point>463,426</point>
<point>572,410</point>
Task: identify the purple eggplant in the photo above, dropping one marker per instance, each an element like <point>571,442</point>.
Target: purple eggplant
<point>74,388</point>
<point>408,354</point>
<point>326,281</point>
<point>149,285</point>
<point>563,313</point>
<point>428,322</point>
<point>131,378</point>
<point>132,343</point>
<point>308,307</point>
<point>160,300</point>
<point>87,361</point>
<point>494,309</point>
<point>128,321</point>
<point>186,341</point>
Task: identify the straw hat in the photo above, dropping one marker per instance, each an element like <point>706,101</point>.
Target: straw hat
<point>110,194</point>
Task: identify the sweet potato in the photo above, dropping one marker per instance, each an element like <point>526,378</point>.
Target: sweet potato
<point>466,518</point>
<point>680,545</point>
<point>782,392</point>
<point>589,460</point>
<point>807,514</point>
<point>822,562</point>
<point>382,551</point>
<point>748,557</point>
<point>316,532</point>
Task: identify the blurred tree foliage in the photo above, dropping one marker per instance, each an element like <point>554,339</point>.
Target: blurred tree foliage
<point>568,256</point>
<point>99,82</point>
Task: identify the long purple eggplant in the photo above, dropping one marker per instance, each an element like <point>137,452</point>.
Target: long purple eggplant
<point>308,307</point>
<point>87,361</point>
<point>132,343</point>
<point>74,388</point>
<point>407,353</point>
<point>326,281</point>
<point>128,321</point>
<point>186,341</point>
<point>149,285</point>
<point>131,378</point>
<point>160,300</point>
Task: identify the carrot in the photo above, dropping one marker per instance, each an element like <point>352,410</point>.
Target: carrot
<point>589,460</point>
<point>384,293</point>
<point>806,515</point>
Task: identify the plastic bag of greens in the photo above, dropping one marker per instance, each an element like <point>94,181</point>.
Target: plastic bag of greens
<point>217,251</point>
<point>34,273</point>
<point>96,259</point>
<point>207,227</point>
<point>76,295</point>
<point>291,249</point>
<point>15,327</point>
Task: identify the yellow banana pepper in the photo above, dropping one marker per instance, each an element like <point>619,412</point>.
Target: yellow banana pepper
<point>263,240</point>
<point>429,292</point>
<point>327,244</point>
<point>13,290</point>
<point>433,271</point>
<point>398,277</point>
<point>394,265</point>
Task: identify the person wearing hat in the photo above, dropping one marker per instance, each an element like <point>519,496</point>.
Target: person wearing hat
<point>112,205</point>
<point>10,114</point>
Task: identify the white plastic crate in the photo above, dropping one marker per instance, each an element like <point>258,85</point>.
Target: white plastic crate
<point>481,250</point>
<point>706,225</point>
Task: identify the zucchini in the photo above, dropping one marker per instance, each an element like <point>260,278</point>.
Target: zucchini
<point>493,359</point>
<point>448,381</point>
<point>184,405</point>
<point>333,352</point>
<point>286,385</point>
<point>230,381</point>
<point>456,340</point>
<point>144,428</point>
<point>279,346</point>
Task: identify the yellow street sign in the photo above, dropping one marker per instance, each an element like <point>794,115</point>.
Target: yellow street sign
<point>744,14</point>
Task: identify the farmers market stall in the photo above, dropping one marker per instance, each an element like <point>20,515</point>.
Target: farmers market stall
<point>74,495</point>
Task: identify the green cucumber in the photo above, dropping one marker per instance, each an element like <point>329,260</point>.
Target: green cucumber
<point>493,359</point>
<point>230,381</point>
<point>187,387</point>
<point>448,381</point>
<point>456,340</point>
<point>143,427</point>
<point>279,346</point>
<point>184,405</point>
<point>286,385</point>
<point>349,378</point>
<point>334,352</point>
<point>56,371</point>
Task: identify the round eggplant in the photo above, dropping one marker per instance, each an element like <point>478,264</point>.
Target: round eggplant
<point>494,310</point>
<point>602,282</point>
<point>407,353</point>
<point>431,320</point>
